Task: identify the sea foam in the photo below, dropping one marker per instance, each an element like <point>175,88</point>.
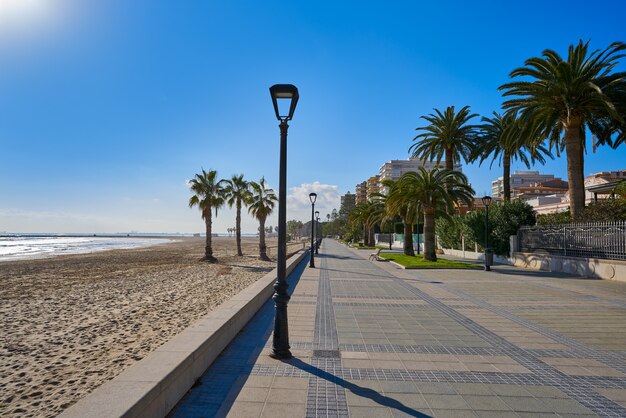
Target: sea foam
<point>21,247</point>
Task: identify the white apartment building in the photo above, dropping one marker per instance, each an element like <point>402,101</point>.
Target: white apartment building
<point>519,179</point>
<point>393,169</point>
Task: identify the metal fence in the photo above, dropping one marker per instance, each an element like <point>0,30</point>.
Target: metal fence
<point>594,239</point>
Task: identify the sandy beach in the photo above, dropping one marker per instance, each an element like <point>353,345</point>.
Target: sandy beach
<point>70,323</point>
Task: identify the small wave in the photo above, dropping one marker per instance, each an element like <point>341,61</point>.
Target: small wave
<point>13,248</point>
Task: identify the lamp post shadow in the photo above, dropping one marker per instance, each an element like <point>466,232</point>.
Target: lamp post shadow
<point>375,396</point>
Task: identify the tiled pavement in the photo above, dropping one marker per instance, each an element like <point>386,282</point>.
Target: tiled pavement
<point>372,340</point>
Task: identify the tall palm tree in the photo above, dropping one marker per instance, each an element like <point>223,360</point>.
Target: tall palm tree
<point>501,137</point>
<point>237,193</point>
<point>437,192</point>
<point>208,196</point>
<point>398,203</point>
<point>448,135</point>
<point>261,206</point>
<point>560,99</point>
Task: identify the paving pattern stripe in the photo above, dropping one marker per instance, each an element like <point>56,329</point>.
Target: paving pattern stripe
<point>395,348</point>
<point>438,376</point>
<point>566,308</point>
<point>539,369</point>
<point>346,296</point>
<point>483,351</point>
<point>324,397</point>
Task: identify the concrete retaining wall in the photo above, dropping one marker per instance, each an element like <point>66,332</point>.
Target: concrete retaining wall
<point>154,385</point>
<point>472,255</point>
<point>589,267</point>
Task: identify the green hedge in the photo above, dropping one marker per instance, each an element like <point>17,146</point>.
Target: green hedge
<point>449,231</point>
<point>605,210</point>
<point>504,221</point>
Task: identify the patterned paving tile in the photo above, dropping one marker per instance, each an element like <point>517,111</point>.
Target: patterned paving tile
<point>324,397</point>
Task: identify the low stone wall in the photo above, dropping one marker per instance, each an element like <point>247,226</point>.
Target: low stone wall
<point>154,385</point>
<point>589,267</point>
<point>472,255</point>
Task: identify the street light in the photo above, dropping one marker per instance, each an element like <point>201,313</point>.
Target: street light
<point>488,253</point>
<point>312,198</point>
<point>317,231</point>
<point>285,93</point>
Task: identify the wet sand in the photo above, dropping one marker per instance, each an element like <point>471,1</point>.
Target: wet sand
<point>70,323</point>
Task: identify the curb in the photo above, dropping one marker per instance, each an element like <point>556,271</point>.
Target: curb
<point>155,384</point>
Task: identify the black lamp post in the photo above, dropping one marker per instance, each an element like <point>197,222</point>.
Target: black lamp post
<point>312,198</point>
<point>487,201</point>
<point>317,231</point>
<point>287,94</point>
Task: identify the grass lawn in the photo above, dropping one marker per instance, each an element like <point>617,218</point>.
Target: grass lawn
<point>418,262</point>
<point>360,246</point>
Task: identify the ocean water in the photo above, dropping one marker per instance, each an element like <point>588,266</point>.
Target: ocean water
<point>24,247</point>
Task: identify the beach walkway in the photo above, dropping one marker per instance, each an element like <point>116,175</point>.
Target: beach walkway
<point>372,340</point>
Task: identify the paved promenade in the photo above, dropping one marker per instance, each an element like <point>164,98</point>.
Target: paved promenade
<point>372,340</point>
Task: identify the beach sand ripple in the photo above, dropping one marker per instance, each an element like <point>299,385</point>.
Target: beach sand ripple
<point>70,323</point>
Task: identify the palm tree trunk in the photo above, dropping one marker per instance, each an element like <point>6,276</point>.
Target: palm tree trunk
<point>408,239</point>
<point>449,159</point>
<point>506,175</point>
<point>429,235</point>
<point>238,225</point>
<point>366,236</point>
<point>208,248</point>
<point>372,238</point>
<point>262,246</point>
<point>575,177</point>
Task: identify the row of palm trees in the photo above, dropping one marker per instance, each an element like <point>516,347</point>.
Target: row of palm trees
<point>551,99</point>
<point>556,101</point>
<point>427,193</point>
<point>210,194</point>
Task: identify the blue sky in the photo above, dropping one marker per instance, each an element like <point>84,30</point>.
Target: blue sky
<point>107,108</point>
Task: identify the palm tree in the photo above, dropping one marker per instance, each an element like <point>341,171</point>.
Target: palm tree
<point>560,99</point>
<point>448,135</point>
<point>358,216</point>
<point>379,213</point>
<point>398,203</point>
<point>501,137</point>
<point>208,195</point>
<point>437,192</point>
<point>237,192</point>
<point>261,205</point>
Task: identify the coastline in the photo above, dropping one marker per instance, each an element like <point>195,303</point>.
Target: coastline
<point>72,322</point>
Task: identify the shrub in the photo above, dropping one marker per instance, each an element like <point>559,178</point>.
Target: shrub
<point>504,220</point>
<point>449,231</point>
<point>606,210</point>
<point>554,218</point>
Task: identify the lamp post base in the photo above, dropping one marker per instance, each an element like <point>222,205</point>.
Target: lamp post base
<point>281,355</point>
<point>280,343</point>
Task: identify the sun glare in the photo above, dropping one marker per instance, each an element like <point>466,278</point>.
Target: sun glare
<point>23,12</point>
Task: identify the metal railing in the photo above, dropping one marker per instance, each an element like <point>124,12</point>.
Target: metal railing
<point>605,240</point>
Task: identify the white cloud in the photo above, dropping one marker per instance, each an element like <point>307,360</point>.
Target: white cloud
<point>299,205</point>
